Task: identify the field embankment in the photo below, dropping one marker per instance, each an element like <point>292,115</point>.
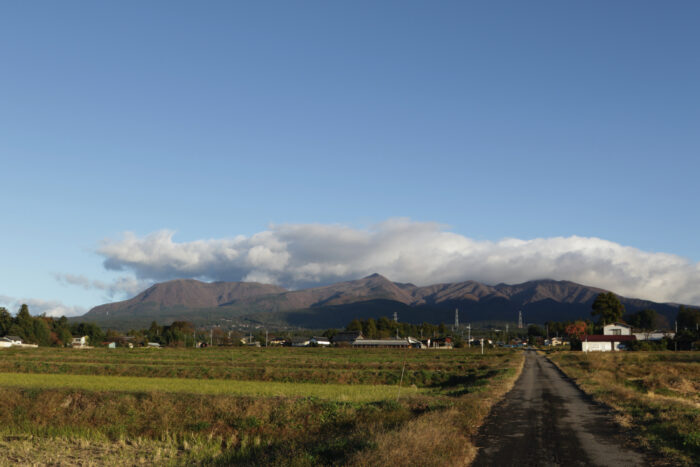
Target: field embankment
<point>656,396</point>
<point>246,406</point>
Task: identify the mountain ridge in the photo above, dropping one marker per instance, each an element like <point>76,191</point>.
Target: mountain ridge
<point>189,299</point>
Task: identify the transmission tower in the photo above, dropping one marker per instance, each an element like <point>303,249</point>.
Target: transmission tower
<point>456,319</point>
<point>396,317</point>
<point>520,319</point>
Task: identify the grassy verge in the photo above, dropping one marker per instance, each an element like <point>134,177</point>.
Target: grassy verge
<point>114,417</point>
<point>655,394</point>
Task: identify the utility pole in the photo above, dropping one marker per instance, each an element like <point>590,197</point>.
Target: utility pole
<point>675,337</point>
<point>456,319</point>
<point>211,337</point>
<point>482,346</point>
<point>469,339</point>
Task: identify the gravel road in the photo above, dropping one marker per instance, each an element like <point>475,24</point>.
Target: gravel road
<point>546,420</point>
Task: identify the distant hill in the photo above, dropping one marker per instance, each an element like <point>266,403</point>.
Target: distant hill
<point>373,296</point>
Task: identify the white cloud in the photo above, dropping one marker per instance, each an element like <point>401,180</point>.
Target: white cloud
<point>52,308</point>
<point>125,286</point>
<point>302,255</point>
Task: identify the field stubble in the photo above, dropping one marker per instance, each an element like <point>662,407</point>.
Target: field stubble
<point>289,406</point>
<point>655,396</point>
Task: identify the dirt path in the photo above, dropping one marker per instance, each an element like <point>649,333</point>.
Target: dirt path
<point>546,420</point>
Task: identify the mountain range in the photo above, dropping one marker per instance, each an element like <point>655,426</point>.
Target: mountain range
<point>373,296</point>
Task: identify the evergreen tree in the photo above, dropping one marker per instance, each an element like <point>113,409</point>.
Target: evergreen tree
<point>370,328</point>
<point>5,321</point>
<point>608,308</point>
<point>41,331</point>
<point>25,322</point>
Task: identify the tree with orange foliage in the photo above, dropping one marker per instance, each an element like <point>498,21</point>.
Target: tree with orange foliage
<point>576,330</point>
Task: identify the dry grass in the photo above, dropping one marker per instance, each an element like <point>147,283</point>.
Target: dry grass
<point>76,417</point>
<point>441,438</point>
<point>656,395</point>
<point>33,451</point>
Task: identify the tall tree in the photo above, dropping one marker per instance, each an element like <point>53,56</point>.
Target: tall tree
<point>646,320</point>
<point>688,318</point>
<point>369,328</point>
<point>355,325</point>
<point>5,321</point>
<point>25,322</point>
<point>607,308</point>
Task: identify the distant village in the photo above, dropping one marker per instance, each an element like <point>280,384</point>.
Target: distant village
<point>384,332</point>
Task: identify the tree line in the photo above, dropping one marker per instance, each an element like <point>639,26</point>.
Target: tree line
<point>385,328</point>
<point>44,330</point>
<point>608,309</point>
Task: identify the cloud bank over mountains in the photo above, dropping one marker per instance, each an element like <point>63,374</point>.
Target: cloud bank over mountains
<point>125,285</point>
<point>306,255</point>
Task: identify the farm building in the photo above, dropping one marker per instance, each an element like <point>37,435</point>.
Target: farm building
<point>656,335</point>
<point>392,343</point>
<point>617,329</point>
<point>320,341</point>
<point>347,337</point>
<point>10,341</point>
<point>598,343</point>
<point>615,337</point>
<point>250,341</point>
<point>79,342</point>
<point>554,341</point>
<point>438,343</point>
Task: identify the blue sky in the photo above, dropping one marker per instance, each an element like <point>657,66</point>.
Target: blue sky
<point>486,120</point>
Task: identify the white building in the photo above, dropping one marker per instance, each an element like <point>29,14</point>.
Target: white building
<point>617,329</point>
<point>9,341</point>
<point>79,342</point>
<point>610,343</point>
<point>654,335</point>
<point>320,341</point>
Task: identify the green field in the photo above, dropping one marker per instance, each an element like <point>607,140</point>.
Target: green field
<point>310,365</point>
<point>339,392</point>
<point>247,406</point>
